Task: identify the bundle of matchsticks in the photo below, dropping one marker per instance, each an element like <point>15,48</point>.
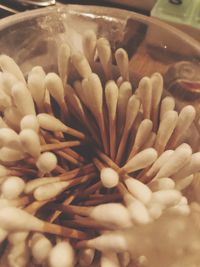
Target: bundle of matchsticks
<point>83,155</point>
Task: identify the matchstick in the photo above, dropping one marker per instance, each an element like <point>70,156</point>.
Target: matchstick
<point>111,94</point>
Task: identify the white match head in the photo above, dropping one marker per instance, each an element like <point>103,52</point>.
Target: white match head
<point>3,171</point>
<point>114,215</point>
<point>132,110</point>
<point>39,70</point>
<point>89,45</point>
<point>162,184</point>
<point>46,162</point>
<point>30,142</point>
<point>109,177</point>
<point>35,183</point>
<point>109,259</point>
<point>5,203</point>
<point>36,85</point>
<point>16,219</point>
<point>3,235</point>
<point>29,122</point>
<point>157,88</point>
<point>40,247</point>
<point>49,191</point>
<point>15,238</point>
<point>95,93</point>
<point>54,85</point>
<point>180,157</point>
<point>138,190</point>
<point>9,155</point>
<point>141,160</point>
<point>50,123</point>
<point>161,160</point>
<point>86,257</point>
<point>62,255</point>
<point>7,64</point>
<point>3,124</point>
<point>137,210</point>
<point>167,104</point>
<point>12,117</point>
<point>167,198</point>
<point>191,168</point>
<point>18,255</point>
<point>81,64</point>
<point>114,241</point>
<point>122,60</point>
<point>9,138</point>
<point>7,81</point>
<point>111,94</point>
<point>12,187</point>
<point>105,54</point>
<point>23,99</point>
<point>63,61</point>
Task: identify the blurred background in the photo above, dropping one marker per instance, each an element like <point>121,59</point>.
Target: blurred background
<point>183,14</point>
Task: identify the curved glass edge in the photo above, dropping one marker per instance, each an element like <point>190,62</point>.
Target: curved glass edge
<point>104,12</point>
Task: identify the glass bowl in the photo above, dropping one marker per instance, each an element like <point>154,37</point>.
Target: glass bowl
<point>33,38</point>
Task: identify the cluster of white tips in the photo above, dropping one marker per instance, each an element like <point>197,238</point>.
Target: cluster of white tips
<point>147,164</point>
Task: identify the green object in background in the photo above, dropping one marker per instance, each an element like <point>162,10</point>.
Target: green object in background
<point>178,11</point>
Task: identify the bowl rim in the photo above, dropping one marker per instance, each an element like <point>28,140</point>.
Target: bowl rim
<point>99,11</point>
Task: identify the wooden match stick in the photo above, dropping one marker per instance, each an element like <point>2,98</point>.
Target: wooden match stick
<point>52,218</point>
<point>131,114</point>
<point>68,150</point>
<point>108,161</point>
<point>109,176</point>
<point>47,103</point>
<point>9,65</point>
<point>17,221</point>
<point>81,64</point>
<point>105,56</point>
<point>157,90</point>
<point>50,123</point>
<point>89,45</point>
<point>145,94</point>
<point>142,134</point>
<point>53,189</point>
<point>35,206</point>
<point>167,104</point>
<point>36,86</point>
<point>23,99</point>
<point>111,94</point>
<point>80,112</point>
<point>93,188</point>
<point>125,92</point>
<point>63,62</point>
<point>64,231</point>
<point>95,104</point>
<point>165,130</point>
<point>85,169</point>
<point>122,60</point>
<point>53,84</point>
<point>68,158</point>
<point>185,119</point>
<point>60,145</point>
<point>84,222</point>
<point>103,199</point>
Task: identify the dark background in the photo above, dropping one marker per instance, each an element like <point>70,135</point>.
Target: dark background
<point>7,7</point>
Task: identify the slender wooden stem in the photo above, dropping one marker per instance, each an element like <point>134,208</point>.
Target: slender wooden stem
<point>68,158</point>
<point>103,132</point>
<point>112,136</point>
<point>64,231</point>
<point>61,145</point>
